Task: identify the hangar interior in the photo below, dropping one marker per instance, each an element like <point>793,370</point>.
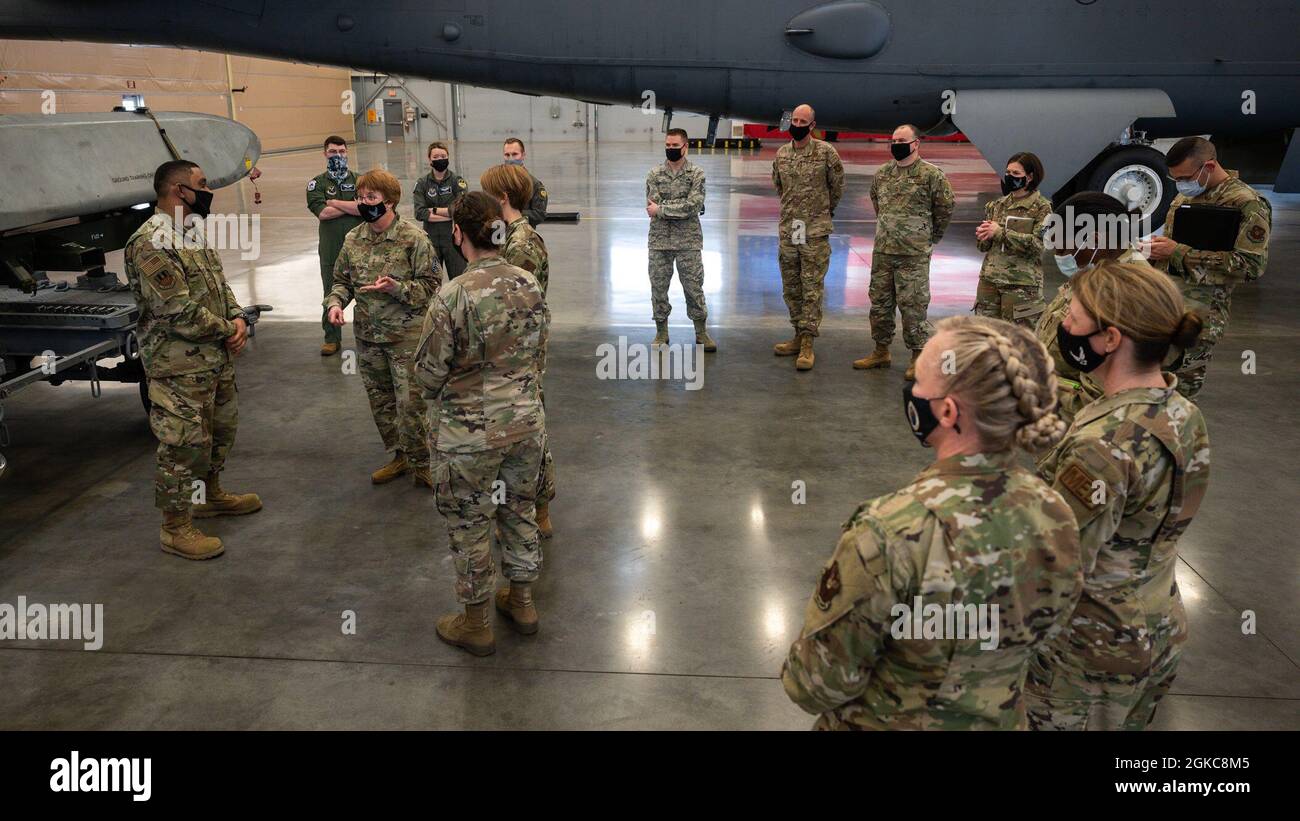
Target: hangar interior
<point>681,564</point>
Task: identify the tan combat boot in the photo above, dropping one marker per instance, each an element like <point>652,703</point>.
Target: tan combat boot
<point>661,333</point>
<point>392,470</point>
<point>806,358</point>
<point>180,537</point>
<point>911,368</point>
<point>423,477</point>
<point>789,348</point>
<point>329,349</point>
<point>544,528</point>
<point>221,503</point>
<point>470,630</point>
<point>702,338</point>
<point>516,603</point>
<point>879,358</point>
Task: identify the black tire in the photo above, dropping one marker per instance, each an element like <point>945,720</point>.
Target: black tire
<point>144,396</point>
<point>1153,187</point>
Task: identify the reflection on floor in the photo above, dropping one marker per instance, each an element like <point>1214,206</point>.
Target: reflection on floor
<point>680,567</point>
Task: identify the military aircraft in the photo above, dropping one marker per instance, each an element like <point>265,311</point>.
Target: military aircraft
<point>1085,84</point>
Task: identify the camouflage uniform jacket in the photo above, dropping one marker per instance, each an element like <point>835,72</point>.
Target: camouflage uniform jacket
<point>1208,277</point>
<point>403,252</point>
<point>186,308</point>
<point>1134,468</point>
<point>480,357</point>
<point>913,207</point>
<point>680,195</point>
<point>969,530</point>
<point>810,181</point>
<point>1014,254</point>
<point>525,248</point>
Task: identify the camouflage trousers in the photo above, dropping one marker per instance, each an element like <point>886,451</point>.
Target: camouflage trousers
<point>900,282</point>
<point>690,270</point>
<point>803,281</point>
<point>396,402</point>
<point>1064,691</point>
<point>546,479</point>
<point>1021,304</point>
<point>453,264</point>
<point>194,417</point>
<point>333,333</point>
<point>1196,360</point>
<point>471,501</point>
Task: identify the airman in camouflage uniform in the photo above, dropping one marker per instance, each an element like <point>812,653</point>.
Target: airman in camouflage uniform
<point>1134,468</point>
<point>525,248</point>
<point>433,194</point>
<point>969,530</point>
<point>480,358</point>
<point>809,177</point>
<point>914,205</point>
<point>387,330</point>
<point>674,192</point>
<point>188,315</point>
<point>1011,278</point>
<point>1074,389</point>
<point>1208,278</point>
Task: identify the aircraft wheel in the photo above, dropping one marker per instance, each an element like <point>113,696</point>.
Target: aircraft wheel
<point>1137,176</point>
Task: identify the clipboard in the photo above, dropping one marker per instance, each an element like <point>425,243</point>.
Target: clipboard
<point>1207,227</point>
<point>1020,225</point>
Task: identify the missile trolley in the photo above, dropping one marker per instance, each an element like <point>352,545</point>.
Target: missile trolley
<point>75,188</point>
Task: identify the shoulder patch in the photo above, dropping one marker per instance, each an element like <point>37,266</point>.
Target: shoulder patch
<point>151,263</point>
<point>542,193</point>
<point>311,185</point>
<point>165,280</point>
<point>829,586</point>
<point>1257,233</point>
<point>1080,484</point>
<point>461,183</point>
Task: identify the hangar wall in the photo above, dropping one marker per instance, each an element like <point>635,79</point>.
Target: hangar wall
<point>288,105</point>
<point>490,115</point>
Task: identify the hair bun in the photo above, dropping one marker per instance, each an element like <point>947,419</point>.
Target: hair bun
<point>1042,433</point>
<point>1188,330</point>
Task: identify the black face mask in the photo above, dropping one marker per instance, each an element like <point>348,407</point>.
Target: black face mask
<point>673,154</point>
<point>1077,351</point>
<point>798,132</point>
<point>1010,183</point>
<point>202,205</point>
<point>919,415</point>
<point>901,151</point>
<point>440,165</point>
<point>371,213</point>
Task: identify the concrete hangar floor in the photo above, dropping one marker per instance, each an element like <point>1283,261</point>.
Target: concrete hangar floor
<point>680,568</point>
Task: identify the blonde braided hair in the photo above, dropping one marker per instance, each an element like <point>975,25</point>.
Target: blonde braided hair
<point>1004,373</point>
